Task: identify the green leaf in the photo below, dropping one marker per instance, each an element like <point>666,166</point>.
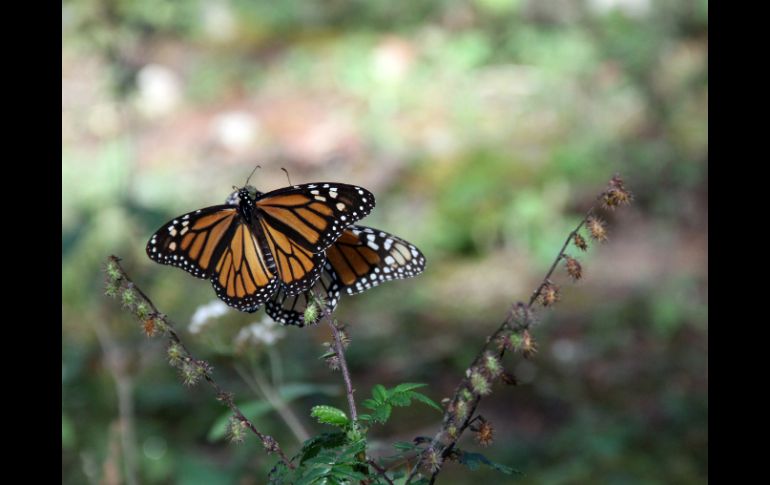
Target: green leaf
<point>258,407</point>
<point>379,393</point>
<point>371,403</point>
<point>382,413</point>
<point>312,447</point>
<point>400,400</point>
<point>346,472</point>
<point>425,400</point>
<point>405,446</point>
<point>474,460</point>
<point>330,415</point>
<point>407,386</point>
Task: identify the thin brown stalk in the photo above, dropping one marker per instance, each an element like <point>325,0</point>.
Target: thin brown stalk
<point>338,349</point>
<point>268,442</point>
<point>504,326</point>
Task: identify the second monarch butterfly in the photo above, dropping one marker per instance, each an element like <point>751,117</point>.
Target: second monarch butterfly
<point>362,258</point>
<point>261,242</point>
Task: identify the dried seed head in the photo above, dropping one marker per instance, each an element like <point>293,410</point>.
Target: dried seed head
<point>149,327</point>
<point>269,443</point>
<point>113,272</point>
<point>484,433</point>
<point>333,362</point>
<point>616,194</point>
<point>312,311</point>
<point>461,410</point>
<point>236,430</point>
<point>128,298</point>
<point>142,310</point>
<point>492,365</point>
<point>597,228</point>
<point>549,294</point>
<point>432,460</point>
<point>480,384</point>
<point>190,373</point>
<point>508,378</point>
<point>574,268</point>
<point>580,242</point>
<point>176,354</point>
<point>111,288</point>
<point>528,346</point>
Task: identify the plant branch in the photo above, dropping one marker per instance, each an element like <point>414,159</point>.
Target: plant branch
<point>118,276</point>
<point>338,349</point>
<point>382,471</point>
<point>436,448</point>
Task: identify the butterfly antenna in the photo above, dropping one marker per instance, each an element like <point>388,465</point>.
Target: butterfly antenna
<point>252,173</point>
<point>287,175</point>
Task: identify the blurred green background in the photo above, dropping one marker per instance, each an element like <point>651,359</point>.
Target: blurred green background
<point>484,127</point>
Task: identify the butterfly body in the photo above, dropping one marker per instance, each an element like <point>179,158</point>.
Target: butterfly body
<point>259,242</point>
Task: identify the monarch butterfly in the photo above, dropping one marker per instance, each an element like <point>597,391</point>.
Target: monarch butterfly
<point>259,242</point>
<point>360,259</point>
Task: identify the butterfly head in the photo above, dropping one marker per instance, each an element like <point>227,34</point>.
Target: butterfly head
<point>243,194</point>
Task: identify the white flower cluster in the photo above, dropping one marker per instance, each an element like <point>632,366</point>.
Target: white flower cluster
<point>266,332</point>
<point>206,313</point>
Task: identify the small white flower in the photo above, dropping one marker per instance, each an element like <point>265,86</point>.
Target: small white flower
<point>205,313</point>
<point>266,332</point>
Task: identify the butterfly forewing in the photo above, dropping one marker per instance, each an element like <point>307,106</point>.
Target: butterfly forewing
<point>314,215</point>
<point>216,244</point>
<point>192,241</point>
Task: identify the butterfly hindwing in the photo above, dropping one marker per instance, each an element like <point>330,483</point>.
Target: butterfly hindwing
<point>243,276</point>
<point>360,259</point>
<point>364,257</point>
<point>289,310</point>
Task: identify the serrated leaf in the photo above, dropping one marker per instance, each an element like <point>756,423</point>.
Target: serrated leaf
<point>399,400</point>
<point>350,452</point>
<point>330,415</point>
<point>406,386</point>
<point>371,403</point>
<point>313,446</point>
<point>404,445</point>
<point>379,393</point>
<point>346,471</point>
<point>382,413</point>
<point>474,460</point>
<point>425,400</point>
<point>313,474</point>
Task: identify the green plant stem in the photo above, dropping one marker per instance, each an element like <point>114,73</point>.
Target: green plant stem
<point>115,359</point>
<point>259,385</point>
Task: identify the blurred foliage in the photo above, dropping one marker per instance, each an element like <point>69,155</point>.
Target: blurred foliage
<point>484,127</point>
